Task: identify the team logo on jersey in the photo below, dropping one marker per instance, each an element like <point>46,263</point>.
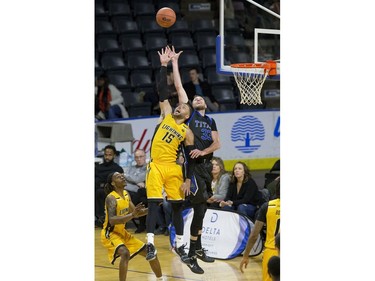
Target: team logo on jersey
<point>249,132</point>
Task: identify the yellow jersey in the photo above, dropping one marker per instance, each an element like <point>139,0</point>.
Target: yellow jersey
<point>122,209</point>
<point>272,222</point>
<point>166,140</point>
<point>115,236</point>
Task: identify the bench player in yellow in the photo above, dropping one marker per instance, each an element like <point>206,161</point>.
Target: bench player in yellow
<point>269,215</point>
<point>119,209</point>
<point>163,170</point>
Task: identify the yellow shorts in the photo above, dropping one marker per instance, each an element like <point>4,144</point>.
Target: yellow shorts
<point>267,254</point>
<point>116,240</point>
<point>168,176</point>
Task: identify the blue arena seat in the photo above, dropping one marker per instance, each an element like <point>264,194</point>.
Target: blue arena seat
<point>113,61</point>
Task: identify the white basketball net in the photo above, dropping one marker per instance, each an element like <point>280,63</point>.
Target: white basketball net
<point>250,84</point>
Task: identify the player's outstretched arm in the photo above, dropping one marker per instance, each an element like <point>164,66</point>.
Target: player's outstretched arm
<point>165,106</point>
<point>113,219</point>
<point>215,145</point>
<point>250,243</point>
<point>182,96</point>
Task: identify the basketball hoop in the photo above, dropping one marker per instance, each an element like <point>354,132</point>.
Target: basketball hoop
<point>250,78</point>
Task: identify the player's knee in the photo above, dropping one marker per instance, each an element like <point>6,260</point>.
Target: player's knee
<point>124,254</point>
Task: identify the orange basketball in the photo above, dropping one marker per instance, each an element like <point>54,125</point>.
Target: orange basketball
<point>166,17</point>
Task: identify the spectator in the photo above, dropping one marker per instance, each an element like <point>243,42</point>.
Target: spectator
<point>109,103</point>
<point>135,177</point>
<point>198,87</point>
<point>269,216</point>
<point>220,182</point>
<point>243,194</point>
<point>114,236</point>
<point>101,173</point>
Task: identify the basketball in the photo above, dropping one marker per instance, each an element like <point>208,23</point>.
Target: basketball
<point>166,17</point>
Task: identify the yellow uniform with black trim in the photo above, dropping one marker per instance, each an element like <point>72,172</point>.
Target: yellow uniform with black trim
<point>163,171</point>
<point>273,227</point>
<point>114,236</point>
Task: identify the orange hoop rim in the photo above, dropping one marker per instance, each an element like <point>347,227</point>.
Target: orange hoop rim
<point>269,65</point>
<point>251,65</point>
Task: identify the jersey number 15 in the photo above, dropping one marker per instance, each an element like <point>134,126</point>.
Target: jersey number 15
<point>168,137</point>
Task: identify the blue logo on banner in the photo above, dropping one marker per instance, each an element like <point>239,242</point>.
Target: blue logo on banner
<point>250,132</point>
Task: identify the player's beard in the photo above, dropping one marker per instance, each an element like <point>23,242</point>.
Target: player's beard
<point>200,107</point>
<point>178,116</point>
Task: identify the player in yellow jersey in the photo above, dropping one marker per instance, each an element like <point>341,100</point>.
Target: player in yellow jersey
<point>269,215</point>
<point>119,209</point>
<point>163,170</point>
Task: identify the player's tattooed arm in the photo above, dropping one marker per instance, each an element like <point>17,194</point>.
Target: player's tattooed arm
<point>111,203</point>
<point>113,219</point>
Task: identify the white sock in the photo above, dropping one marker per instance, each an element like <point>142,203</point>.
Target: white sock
<point>179,240</point>
<point>160,278</point>
<point>150,238</point>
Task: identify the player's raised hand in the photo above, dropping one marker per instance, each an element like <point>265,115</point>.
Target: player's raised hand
<point>138,209</point>
<point>164,55</point>
<point>174,56</point>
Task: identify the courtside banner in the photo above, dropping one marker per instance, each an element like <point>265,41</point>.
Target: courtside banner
<point>244,134</point>
<point>224,233</point>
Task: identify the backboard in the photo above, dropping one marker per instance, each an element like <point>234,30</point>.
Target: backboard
<point>248,33</point>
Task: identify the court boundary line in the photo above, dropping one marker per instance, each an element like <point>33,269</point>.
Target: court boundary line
<point>148,273</point>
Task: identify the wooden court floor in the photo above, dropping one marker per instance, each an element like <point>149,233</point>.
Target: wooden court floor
<point>172,267</point>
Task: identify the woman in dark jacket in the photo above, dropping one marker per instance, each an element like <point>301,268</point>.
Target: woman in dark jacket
<point>243,193</point>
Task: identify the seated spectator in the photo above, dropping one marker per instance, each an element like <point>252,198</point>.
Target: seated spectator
<point>220,182</point>
<point>197,87</point>
<point>109,103</point>
<point>243,193</point>
<point>135,177</point>
<point>101,173</point>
